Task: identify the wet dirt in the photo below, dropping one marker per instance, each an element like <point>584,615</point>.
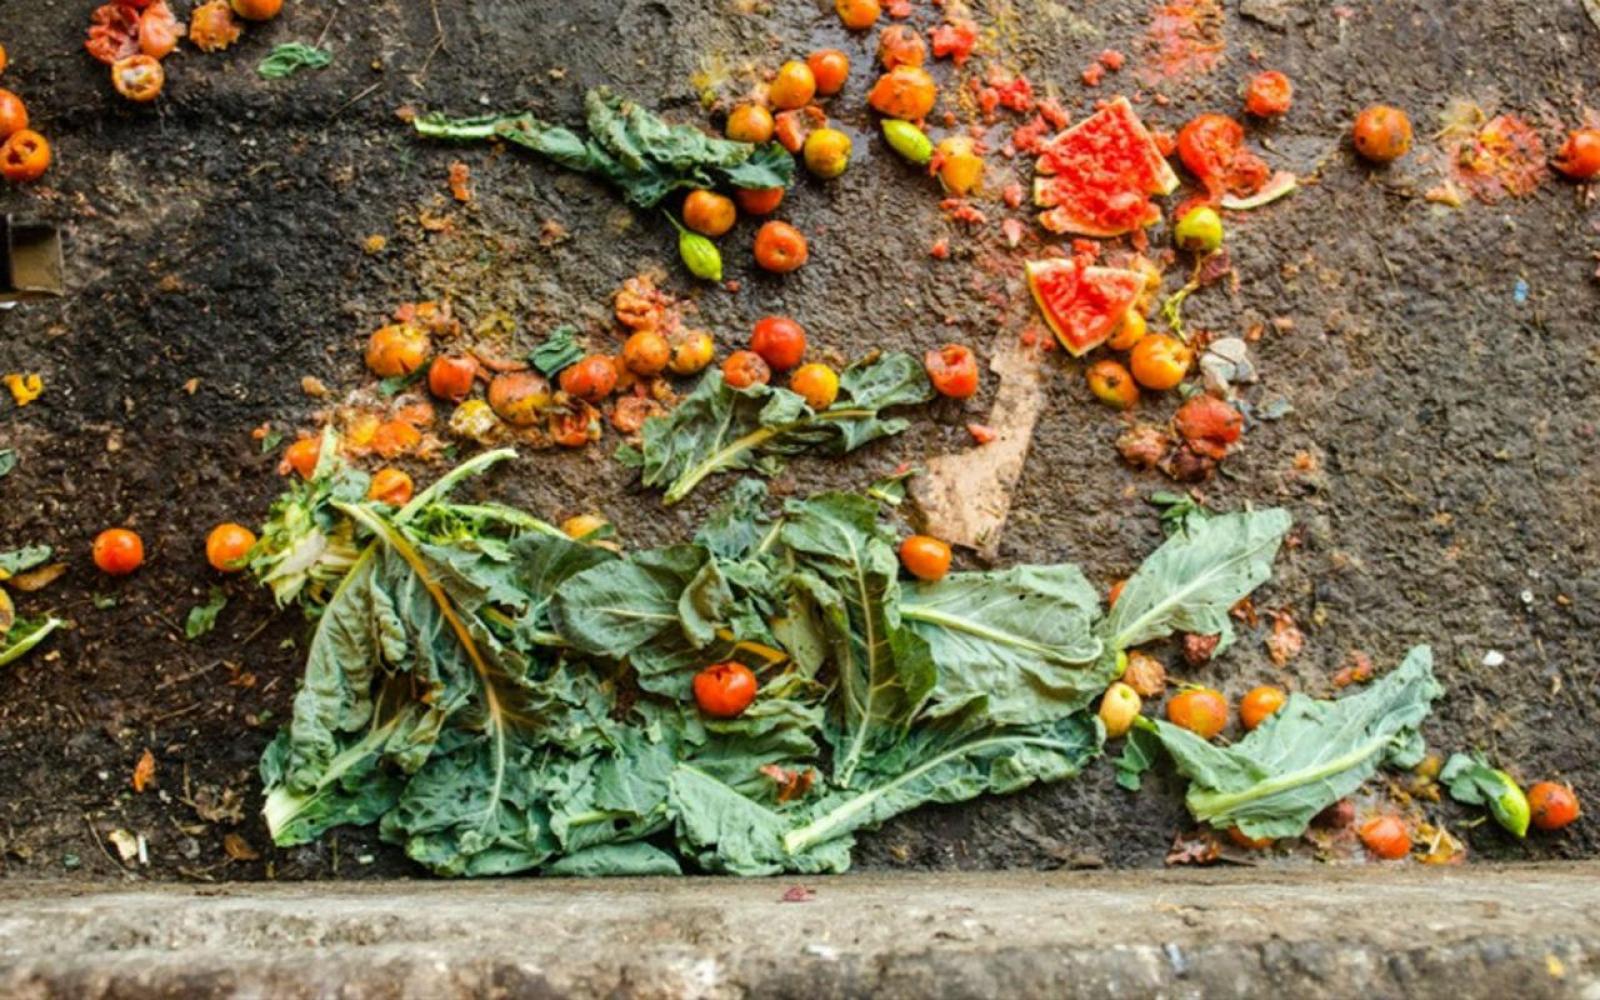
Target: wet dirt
<point>219,236</point>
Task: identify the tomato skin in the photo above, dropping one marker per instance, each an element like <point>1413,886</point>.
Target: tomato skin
<point>1145,674</point>
<point>905,92</point>
<point>138,78</point>
<point>118,551</point>
<point>792,128</point>
<point>780,341</point>
<point>257,10</point>
<point>212,27</point>
<point>743,369</point>
<point>1115,592</point>
<point>818,383</point>
<point>1112,384</point>
<point>451,377</point>
<point>1260,703</point>
<point>158,31</point>
<point>758,201</point>
<point>1382,134</point>
<point>1579,157</point>
<point>13,114</point>
<point>794,86</point>
<point>925,557</point>
<point>519,398</point>
<point>780,247</point>
<point>708,213</point>
<point>953,369</point>
<point>228,547</point>
<point>574,425</point>
<point>1552,806</point>
<point>830,68</point>
<point>646,353</point>
<point>1386,837</point>
<point>394,438</point>
<point>725,690</point>
<point>901,45</point>
<point>827,152</point>
<point>390,486</point>
<point>302,457</point>
<point>858,15</point>
<point>1202,711</point>
<point>749,123</point>
<point>1249,843</point>
<point>113,32</point>
<point>1160,361</point>
<point>1269,95</point>
<point>24,157</point>
<point>591,379</point>
<point>692,351</point>
<point>397,350</point>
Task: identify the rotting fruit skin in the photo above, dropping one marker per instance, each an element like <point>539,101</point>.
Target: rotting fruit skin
<point>1144,673</point>
<point>1269,94</point>
<point>743,369</point>
<point>725,690</point>
<point>1112,384</point>
<point>391,486</point>
<point>1382,134</point>
<point>519,398</point>
<point>397,350</point>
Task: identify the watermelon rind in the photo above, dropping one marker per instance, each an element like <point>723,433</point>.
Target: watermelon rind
<point>1281,183</point>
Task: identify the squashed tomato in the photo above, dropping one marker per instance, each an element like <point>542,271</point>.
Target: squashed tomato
<point>394,438</point>
<point>451,376</point>
<point>257,10</point>
<point>1212,149</point>
<point>830,68</point>
<point>24,157</point>
<point>1259,703</point>
<point>708,213</point>
<point>780,247</point>
<point>228,546</point>
<point>591,379</point>
<point>818,383</point>
<point>1552,806</point>
<point>905,92</point>
<point>138,78</point>
<point>743,369</point>
<point>1382,134</point>
<point>725,690</point>
<point>113,33</point>
<point>1202,711</point>
<point>118,551</point>
<point>858,15</point>
<point>391,486</point>
<point>1209,425</point>
<point>212,26</point>
<point>901,45</point>
<point>574,425</point>
<point>13,114</point>
<point>1579,157</point>
<point>792,128</point>
<point>159,30</point>
<point>630,413</point>
<point>793,87</point>
<point>749,123</point>
<point>397,350</point>
<point>519,398</point>
<point>646,353</point>
<point>1269,95</point>
<point>1386,837</point>
<point>1112,385</point>
<point>758,201</point>
<point>925,557</point>
<point>1160,361</point>
<point>302,457</point>
<point>960,168</point>
<point>780,341</point>
<point>953,369</point>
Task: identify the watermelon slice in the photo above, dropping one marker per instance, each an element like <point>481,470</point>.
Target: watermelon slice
<point>1082,303</point>
<point>1097,176</point>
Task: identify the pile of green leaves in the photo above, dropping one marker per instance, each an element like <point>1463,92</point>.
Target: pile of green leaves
<point>631,147</point>
<point>497,697</point>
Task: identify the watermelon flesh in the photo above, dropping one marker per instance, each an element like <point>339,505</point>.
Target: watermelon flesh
<point>1081,302</point>
<point>1096,177</point>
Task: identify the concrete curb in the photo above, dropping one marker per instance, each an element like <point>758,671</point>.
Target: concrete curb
<point>1369,932</point>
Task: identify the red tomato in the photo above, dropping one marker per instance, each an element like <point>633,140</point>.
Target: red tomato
<point>13,114</point>
<point>1552,806</point>
<point>1269,95</point>
<point>1202,711</point>
<point>24,157</point>
<point>758,201</point>
<point>1579,157</point>
<point>228,546</point>
<point>780,341</point>
<point>831,68</point>
<point>1386,837</point>
<point>113,32</point>
<point>118,551</point>
<point>451,377</point>
<point>953,369</point>
<point>925,557</point>
<point>780,247</point>
<point>743,369</point>
<point>725,690</point>
<point>591,379</point>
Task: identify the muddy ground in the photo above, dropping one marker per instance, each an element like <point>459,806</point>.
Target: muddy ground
<point>1448,428</point>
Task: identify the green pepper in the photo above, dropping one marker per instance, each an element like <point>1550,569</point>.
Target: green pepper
<point>699,254</point>
<point>908,140</point>
<point>1510,806</point>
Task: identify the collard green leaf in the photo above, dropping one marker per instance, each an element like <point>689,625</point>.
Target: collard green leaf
<point>1020,640</point>
<point>1195,577</point>
<point>8,461</point>
<point>203,617</point>
<point>1138,756</point>
<point>737,528</point>
<point>559,350</point>
<point>21,560</point>
<point>725,831</point>
<point>1472,780</point>
<point>292,57</point>
<point>1308,755</point>
<point>633,858</point>
<point>616,608</point>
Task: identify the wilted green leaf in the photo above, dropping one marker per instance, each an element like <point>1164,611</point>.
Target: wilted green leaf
<point>292,57</point>
<point>203,617</point>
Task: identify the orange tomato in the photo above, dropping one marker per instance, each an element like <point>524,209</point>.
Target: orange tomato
<point>257,10</point>
<point>1129,332</point>
<point>212,27</point>
<point>858,15</point>
<point>138,78</point>
<point>24,157</point>
<point>2,58</point>
<point>1160,361</point>
<point>1382,134</point>
<point>925,557</point>
<point>1552,806</point>
<point>830,68</point>
<point>1579,157</point>
<point>827,152</point>
<point>708,213</point>
<point>1259,703</point>
<point>953,369</point>
<point>758,201</point>
<point>692,350</point>
<point>743,369</point>
<point>118,551</point>
<point>394,438</point>
<point>1112,385</point>
<point>725,690</point>
<point>391,486</point>
<point>158,31</point>
<point>1202,711</point>
<point>1386,837</point>
<point>906,92</point>
<point>646,353</point>
<point>302,457</point>
<point>574,425</point>
<point>780,247</point>
<point>793,87</point>
<point>591,379</point>
<point>397,350</point>
<point>1115,592</point>
<point>581,526</point>
<point>960,166</point>
<point>519,398</point>
<point>1269,95</point>
<point>1248,842</point>
<point>901,45</point>
<point>451,377</point>
<point>13,114</point>
<point>749,123</point>
<point>228,547</point>
<point>818,383</point>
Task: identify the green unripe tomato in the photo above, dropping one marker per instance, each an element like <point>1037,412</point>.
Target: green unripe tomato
<point>1200,230</point>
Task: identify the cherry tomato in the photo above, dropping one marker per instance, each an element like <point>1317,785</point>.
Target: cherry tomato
<point>158,31</point>
<point>1552,806</point>
<point>1202,711</point>
<point>906,92</point>
<point>1269,95</point>
<point>749,123</point>
<point>1259,703</point>
<point>692,351</point>
<point>394,438</point>
<point>646,353</point>
<point>925,557</point>
<point>2,58</point>
<point>953,369</point>
<point>391,486</point>
<point>1119,706</point>
<point>1579,157</point>
<point>118,551</point>
<point>858,15</point>
<point>1145,674</point>
<point>574,425</point>
<point>1112,385</point>
<point>451,377</point>
<point>113,32</point>
<point>1386,837</point>
<point>257,10</point>
<point>743,369</point>
<point>397,350</point>
<point>1382,134</point>
<point>24,157</point>
<point>960,166</point>
<point>827,152</point>
<point>780,341</point>
<point>13,114</point>
<point>1129,332</point>
<point>228,547</point>
<point>780,247</point>
<point>724,690</point>
<point>519,398</point>
<point>581,526</point>
<point>818,383</point>
<point>901,45</point>
<point>302,457</point>
<point>758,201</point>
<point>138,78</point>
<point>708,213</point>
<point>793,87</point>
<point>1248,842</point>
<point>212,27</point>
<point>1160,361</point>
<point>830,68</point>
<point>591,379</point>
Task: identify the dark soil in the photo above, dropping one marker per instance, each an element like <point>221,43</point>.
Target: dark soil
<point>1438,458</point>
